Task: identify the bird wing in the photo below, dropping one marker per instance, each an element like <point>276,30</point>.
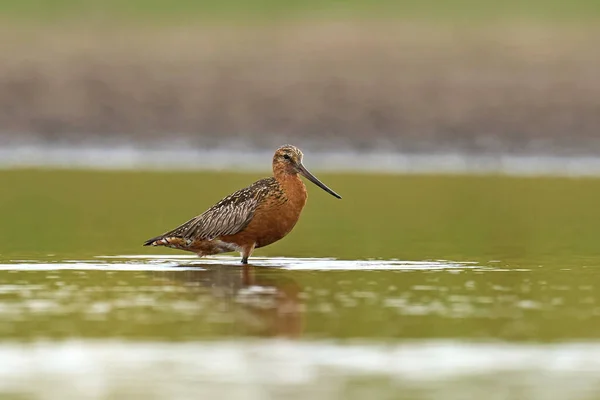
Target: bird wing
<point>228,217</point>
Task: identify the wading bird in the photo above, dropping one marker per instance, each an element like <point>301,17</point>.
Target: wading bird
<point>250,218</point>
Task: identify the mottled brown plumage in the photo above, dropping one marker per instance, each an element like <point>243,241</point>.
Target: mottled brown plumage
<point>250,218</point>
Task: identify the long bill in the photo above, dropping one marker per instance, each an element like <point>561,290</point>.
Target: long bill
<point>302,169</point>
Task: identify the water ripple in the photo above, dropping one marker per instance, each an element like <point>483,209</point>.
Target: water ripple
<point>167,262</point>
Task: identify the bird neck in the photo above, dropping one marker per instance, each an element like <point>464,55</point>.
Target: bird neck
<point>292,185</point>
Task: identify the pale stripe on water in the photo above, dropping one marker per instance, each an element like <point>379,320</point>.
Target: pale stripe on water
<point>170,157</point>
<point>274,369</point>
<point>178,262</point>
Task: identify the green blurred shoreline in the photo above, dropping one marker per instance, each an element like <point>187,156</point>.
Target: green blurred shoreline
<point>234,10</point>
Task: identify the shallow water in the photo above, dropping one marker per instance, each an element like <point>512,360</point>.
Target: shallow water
<point>300,370</point>
<point>410,287</point>
<point>179,327</point>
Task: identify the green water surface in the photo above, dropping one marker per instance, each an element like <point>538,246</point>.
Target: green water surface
<point>528,253</point>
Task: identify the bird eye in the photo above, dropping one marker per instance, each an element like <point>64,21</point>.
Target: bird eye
<point>286,156</point>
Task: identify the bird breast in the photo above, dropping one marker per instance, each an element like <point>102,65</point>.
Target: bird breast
<point>277,214</point>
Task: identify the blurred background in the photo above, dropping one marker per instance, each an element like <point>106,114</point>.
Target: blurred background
<point>455,76</point>
<point>474,279</point>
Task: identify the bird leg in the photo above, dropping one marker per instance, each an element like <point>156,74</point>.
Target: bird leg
<point>246,252</point>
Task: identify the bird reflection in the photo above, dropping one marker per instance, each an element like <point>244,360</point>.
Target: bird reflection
<point>262,301</point>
